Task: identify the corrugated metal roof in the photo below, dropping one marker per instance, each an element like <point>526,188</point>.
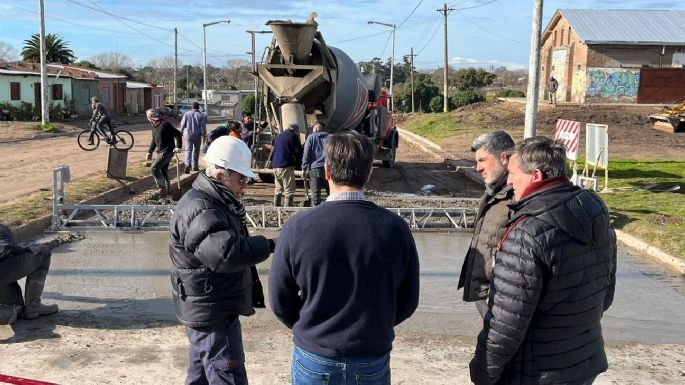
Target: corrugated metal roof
<point>625,26</point>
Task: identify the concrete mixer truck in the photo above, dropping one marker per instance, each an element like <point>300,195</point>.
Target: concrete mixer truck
<point>305,81</point>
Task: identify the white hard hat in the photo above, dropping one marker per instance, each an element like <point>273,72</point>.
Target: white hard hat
<point>232,154</point>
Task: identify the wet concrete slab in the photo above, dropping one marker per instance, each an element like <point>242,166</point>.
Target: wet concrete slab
<point>120,280</point>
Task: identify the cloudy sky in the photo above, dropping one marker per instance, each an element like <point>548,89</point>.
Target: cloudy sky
<point>481,32</point>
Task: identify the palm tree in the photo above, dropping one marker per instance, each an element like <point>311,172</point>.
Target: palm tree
<point>56,50</point>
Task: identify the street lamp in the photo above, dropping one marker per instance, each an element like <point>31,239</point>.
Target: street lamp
<point>392,60</point>
<point>204,63</point>
<point>257,110</point>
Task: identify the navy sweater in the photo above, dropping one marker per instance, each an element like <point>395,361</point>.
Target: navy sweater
<point>287,150</point>
<point>342,276</point>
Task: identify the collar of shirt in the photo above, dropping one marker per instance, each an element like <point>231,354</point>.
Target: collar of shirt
<point>346,196</point>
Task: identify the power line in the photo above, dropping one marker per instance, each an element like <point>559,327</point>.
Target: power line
<point>102,10</point>
<point>478,5</point>
<point>70,22</point>
<point>412,12</point>
<point>487,30</point>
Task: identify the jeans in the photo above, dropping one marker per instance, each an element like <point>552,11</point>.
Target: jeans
<point>216,355</point>
<point>311,369</point>
<point>32,263</point>
<point>160,170</point>
<point>193,153</point>
<point>317,181</point>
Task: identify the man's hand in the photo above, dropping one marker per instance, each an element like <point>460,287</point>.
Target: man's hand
<point>178,150</point>
<point>148,157</point>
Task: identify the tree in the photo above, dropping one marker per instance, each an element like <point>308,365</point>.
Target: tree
<point>111,60</point>
<point>424,91</point>
<point>56,50</point>
<point>85,64</point>
<point>472,79</point>
<point>7,52</point>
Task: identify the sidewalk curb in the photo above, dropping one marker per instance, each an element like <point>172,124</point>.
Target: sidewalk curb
<point>434,150</point>
<point>437,152</point>
<point>658,255</point>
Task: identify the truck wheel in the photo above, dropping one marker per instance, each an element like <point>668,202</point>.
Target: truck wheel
<point>266,178</point>
<point>390,163</point>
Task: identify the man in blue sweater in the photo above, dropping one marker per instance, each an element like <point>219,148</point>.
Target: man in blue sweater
<point>312,163</point>
<point>287,154</point>
<point>344,274</point>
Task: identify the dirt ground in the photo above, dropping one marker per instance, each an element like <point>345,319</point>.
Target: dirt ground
<point>630,131</point>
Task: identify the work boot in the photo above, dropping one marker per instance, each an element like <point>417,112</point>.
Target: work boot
<point>187,170</point>
<point>277,200</point>
<point>196,168</point>
<point>90,143</point>
<point>9,314</point>
<point>38,309</point>
<point>289,201</point>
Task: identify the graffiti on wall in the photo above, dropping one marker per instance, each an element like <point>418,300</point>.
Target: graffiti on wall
<point>612,83</point>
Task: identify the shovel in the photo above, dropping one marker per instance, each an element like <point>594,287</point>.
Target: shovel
<point>307,199</point>
<point>178,171</point>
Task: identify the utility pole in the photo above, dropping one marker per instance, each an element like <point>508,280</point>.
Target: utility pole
<point>411,76</point>
<point>204,59</point>
<point>257,110</point>
<point>45,112</point>
<point>533,72</point>
<point>187,83</point>
<point>445,100</point>
<point>175,69</point>
<point>392,60</point>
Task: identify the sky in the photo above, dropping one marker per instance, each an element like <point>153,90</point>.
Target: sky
<point>481,33</point>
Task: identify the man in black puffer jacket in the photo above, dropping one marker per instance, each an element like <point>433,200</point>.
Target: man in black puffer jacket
<point>554,276</point>
<point>213,278</point>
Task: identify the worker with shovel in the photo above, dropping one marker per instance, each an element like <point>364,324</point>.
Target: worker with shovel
<point>163,137</point>
<point>312,163</point>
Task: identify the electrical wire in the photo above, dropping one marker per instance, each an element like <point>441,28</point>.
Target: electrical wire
<point>102,10</point>
<point>487,30</point>
<point>412,12</point>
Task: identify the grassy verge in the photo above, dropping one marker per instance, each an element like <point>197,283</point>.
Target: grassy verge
<point>20,211</point>
<point>654,216</point>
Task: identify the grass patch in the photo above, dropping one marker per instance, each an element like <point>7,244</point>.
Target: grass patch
<point>20,211</point>
<point>656,217</point>
<point>47,127</point>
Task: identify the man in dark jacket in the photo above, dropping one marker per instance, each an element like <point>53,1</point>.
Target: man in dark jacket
<point>344,274</point>
<point>554,276</point>
<point>287,154</point>
<point>163,137</point>
<point>17,262</point>
<point>492,156</point>
<point>100,120</point>
<point>313,161</point>
<point>213,278</point>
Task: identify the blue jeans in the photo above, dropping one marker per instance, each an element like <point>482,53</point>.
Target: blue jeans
<point>216,354</point>
<point>193,152</point>
<point>311,369</point>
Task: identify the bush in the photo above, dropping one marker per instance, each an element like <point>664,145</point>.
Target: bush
<point>509,93</point>
<point>436,103</point>
<point>23,113</point>
<point>464,98</point>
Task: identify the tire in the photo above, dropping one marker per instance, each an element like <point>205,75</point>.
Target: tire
<point>82,141</point>
<point>266,178</point>
<point>390,163</point>
<point>124,140</point>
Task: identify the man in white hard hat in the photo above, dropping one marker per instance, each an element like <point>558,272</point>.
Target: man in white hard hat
<point>213,278</point>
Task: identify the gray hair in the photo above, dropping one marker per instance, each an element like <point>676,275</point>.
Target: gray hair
<point>494,142</point>
<point>544,154</point>
<point>212,170</point>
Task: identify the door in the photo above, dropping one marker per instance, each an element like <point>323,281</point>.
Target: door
<point>38,100</point>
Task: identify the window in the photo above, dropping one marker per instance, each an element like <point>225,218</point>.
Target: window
<point>555,38</point>
<point>569,36</point>
<point>15,91</point>
<point>85,94</point>
<point>561,41</point>
<point>105,95</point>
<point>57,92</point>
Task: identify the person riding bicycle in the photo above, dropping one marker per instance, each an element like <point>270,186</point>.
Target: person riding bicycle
<point>100,117</point>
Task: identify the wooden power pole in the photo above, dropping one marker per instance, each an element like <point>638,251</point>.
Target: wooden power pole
<point>445,103</point>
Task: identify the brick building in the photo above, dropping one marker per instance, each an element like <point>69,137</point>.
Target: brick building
<point>628,56</point>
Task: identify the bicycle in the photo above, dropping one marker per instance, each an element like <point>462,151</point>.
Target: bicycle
<point>124,139</point>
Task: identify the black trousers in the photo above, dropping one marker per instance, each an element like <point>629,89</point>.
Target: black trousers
<point>216,354</point>
<point>160,169</point>
<point>317,181</point>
